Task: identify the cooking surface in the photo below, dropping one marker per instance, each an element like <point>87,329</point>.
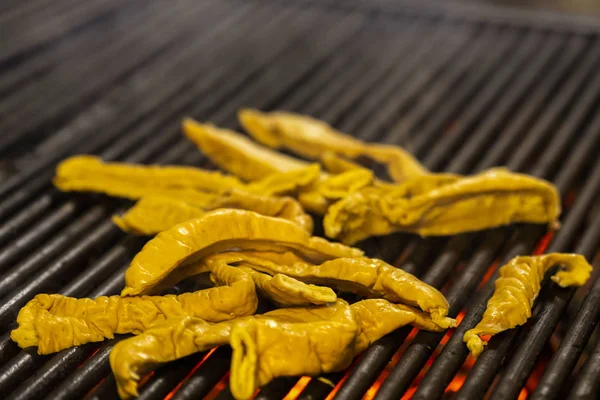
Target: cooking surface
<point>463,89</point>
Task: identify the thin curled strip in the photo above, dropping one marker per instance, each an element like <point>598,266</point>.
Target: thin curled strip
<point>310,138</point>
<point>443,204</point>
<point>218,231</point>
<point>286,291</point>
<point>151,215</point>
<point>364,276</point>
<point>370,278</point>
<point>265,168</point>
<point>238,154</point>
<point>516,290</point>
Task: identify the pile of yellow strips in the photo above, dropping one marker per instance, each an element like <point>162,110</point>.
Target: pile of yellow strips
<point>251,233</point>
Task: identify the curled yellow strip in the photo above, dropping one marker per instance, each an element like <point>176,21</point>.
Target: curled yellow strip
<point>516,290</point>
<point>443,205</point>
<point>236,153</point>
<point>218,231</point>
<point>310,138</point>
<point>91,174</point>
<point>364,276</point>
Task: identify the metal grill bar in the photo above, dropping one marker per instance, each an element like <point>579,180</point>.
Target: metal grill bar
<point>142,100</point>
<point>69,19</point>
<point>372,71</point>
<point>571,346</point>
<point>130,140</point>
<point>133,51</point>
<point>502,108</point>
<point>422,107</point>
<point>587,385</point>
<point>534,103</point>
<point>389,98</point>
<point>437,122</point>
<point>493,88</point>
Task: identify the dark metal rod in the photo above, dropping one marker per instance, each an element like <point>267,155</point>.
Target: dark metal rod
<point>502,108</point>
<point>55,27</point>
<point>26,269</point>
<point>200,383</point>
<point>139,80</point>
<point>18,248</point>
<point>113,151</point>
<point>69,50</point>
<point>56,272</point>
<point>19,99</point>
<point>587,384</point>
<point>571,347</point>
<point>565,98</point>
<point>442,148</point>
<point>410,79</point>
<point>535,101</point>
<point>141,89</point>
<point>139,51</point>
<point>380,70</point>
<point>487,62</point>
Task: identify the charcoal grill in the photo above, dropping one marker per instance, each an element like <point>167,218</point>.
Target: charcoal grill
<point>463,87</point>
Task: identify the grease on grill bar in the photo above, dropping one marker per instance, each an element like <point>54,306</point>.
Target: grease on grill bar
<point>462,94</point>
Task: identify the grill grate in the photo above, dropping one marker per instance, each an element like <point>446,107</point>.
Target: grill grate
<point>464,88</point>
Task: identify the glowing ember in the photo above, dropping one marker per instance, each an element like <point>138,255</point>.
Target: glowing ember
<point>146,378</point>
<point>170,395</point>
<point>543,243</point>
<point>218,388</point>
<point>339,385</point>
<point>409,393</point>
<point>298,388</point>
<point>90,356</point>
<point>456,384</point>
<point>488,274</point>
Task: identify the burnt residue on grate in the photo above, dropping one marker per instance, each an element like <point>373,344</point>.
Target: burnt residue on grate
<point>461,90</point>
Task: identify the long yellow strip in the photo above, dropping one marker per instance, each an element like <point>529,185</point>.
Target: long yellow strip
<point>516,290</point>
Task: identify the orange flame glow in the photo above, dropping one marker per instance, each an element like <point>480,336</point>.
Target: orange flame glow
<point>298,388</point>
<point>218,388</point>
<point>172,393</point>
<point>542,245</point>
